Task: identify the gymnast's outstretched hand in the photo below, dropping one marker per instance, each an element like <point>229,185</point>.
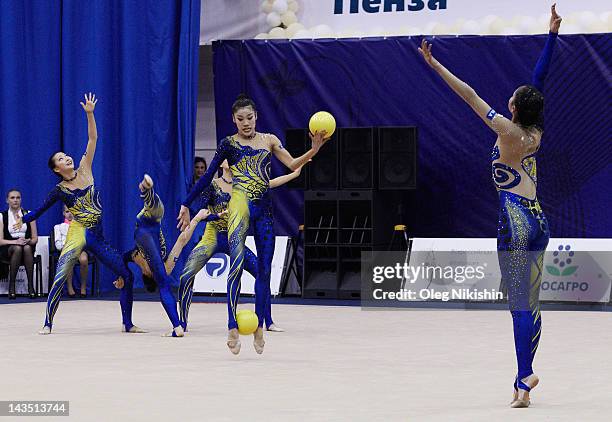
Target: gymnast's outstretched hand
<point>90,103</point>
<point>425,50</point>
<point>555,19</point>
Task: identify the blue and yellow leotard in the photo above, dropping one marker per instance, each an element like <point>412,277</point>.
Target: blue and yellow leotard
<point>250,206</point>
<point>151,243</point>
<point>522,234</point>
<point>85,232</point>
<point>214,240</point>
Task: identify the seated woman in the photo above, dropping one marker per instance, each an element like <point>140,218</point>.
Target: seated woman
<point>61,232</point>
<point>17,245</point>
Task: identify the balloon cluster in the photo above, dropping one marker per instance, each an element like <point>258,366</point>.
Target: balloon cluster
<point>282,18</point>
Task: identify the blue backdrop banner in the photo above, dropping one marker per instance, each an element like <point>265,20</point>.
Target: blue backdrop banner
<point>385,82</point>
<point>141,60</point>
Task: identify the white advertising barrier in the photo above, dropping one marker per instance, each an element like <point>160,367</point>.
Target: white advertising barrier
<point>577,270</point>
<point>574,270</point>
<point>213,277</point>
<point>244,19</point>
<point>431,252</point>
<point>21,283</point>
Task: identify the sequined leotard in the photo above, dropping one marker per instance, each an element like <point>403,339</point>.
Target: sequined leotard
<point>522,234</point>
<point>85,232</point>
<point>215,240</point>
<point>250,205</point>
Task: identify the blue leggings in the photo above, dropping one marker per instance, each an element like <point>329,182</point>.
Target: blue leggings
<point>522,237</point>
<point>150,241</point>
<point>245,212</point>
<point>147,240</point>
<point>214,241</point>
<point>78,239</point>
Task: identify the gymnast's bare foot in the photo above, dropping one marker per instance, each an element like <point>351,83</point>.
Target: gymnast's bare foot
<point>258,341</point>
<point>522,394</point>
<point>233,341</point>
<point>177,332</point>
<point>275,329</point>
<point>133,329</point>
<point>45,330</point>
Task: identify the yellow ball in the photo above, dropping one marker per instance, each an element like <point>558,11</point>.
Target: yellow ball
<point>247,321</point>
<point>322,120</point>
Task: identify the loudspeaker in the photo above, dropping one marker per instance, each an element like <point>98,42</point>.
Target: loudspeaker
<point>397,161</point>
<point>339,227</point>
<point>324,167</point>
<point>357,158</point>
<point>295,142</point>
<point>320,245</point>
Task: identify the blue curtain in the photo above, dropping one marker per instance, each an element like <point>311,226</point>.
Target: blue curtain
<point>384,82</point>
<point>141,60</point>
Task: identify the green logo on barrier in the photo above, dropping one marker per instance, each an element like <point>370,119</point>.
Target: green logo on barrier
<point>561,267</point>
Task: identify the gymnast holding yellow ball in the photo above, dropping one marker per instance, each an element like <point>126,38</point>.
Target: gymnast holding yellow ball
<point>248,153</point>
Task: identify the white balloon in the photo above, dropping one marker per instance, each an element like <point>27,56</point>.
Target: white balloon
<point>293,29</point>
<point>587,18</point>
<point>486,21</point>
<point>294,6</point>
<point>470,27</point>
<point>280,6</point>
<point>497,26</point>
<point>262,36</point>
<point>376,31</point>
<point>398,32</point>
<point>288,18</point>
<point>606,18</point>
<point>273,19</point>
<point>571,29</point>
<point>346,33</point>
<point>509,30</point>
<point>440,29</point>
<point>491,24</point>
<point>544,21</point>
<point>429,27</point>
<point>322,31</point>
<point>303,33</point>
<point>277,33</point>
<point>524,24</point>
<point>266,6</point>
<point>596,27</point>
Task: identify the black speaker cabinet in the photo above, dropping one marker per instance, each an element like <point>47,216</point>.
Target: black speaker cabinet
<point>320,278</point>
<point>297,143</point>
<point>357,158</point>
<point>339,227</point>
<point>397,161</point>
<point>324,166</point>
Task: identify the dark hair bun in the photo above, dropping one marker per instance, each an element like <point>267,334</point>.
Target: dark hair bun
<point>529,103</point>
<point>242,101</point>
